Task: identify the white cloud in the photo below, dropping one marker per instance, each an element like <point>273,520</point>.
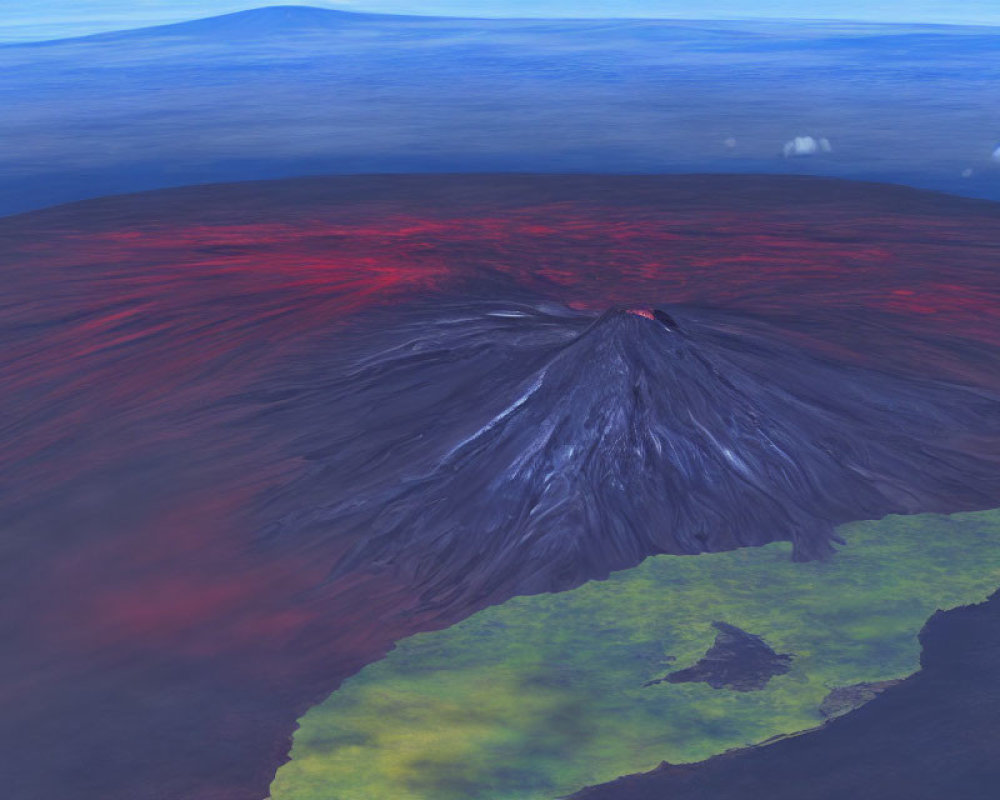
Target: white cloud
<point>730,143</point>
<point>967,172</point>
<point>806,146</point>
<point>996,154</point>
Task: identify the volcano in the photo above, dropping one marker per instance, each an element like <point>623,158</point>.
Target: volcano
<point>224,399</point>
<point>535,449</point>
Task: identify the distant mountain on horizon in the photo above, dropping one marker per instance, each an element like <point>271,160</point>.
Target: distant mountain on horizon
<point>253,20</point>
<point>298,18</point>
<point>294,90</point>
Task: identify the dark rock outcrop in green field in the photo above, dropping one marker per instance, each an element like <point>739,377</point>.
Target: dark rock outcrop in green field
<point>737,660</point>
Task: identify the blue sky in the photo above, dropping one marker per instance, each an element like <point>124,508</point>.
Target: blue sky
<point>43,19</point>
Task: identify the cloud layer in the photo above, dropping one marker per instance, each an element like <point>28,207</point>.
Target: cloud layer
<point>806,146</point>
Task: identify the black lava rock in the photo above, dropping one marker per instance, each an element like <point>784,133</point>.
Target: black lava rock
<point>737,660</point>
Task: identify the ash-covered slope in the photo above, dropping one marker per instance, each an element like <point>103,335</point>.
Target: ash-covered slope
<point>517,451</point>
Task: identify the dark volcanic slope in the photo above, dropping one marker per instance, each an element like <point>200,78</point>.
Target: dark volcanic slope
<point>933,736</point>
<point>491,450</point>
<point>196,382</point>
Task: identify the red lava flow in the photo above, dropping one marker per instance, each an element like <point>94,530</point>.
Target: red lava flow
<point>162,651</point>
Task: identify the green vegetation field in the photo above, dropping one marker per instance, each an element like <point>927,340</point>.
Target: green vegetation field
<point>544,695</point>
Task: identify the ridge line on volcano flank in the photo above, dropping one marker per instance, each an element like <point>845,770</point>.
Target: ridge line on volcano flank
<point>608,317</point>
<point>534,452</point>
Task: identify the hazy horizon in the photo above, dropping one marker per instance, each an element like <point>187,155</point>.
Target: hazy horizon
<point>57,19</point>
